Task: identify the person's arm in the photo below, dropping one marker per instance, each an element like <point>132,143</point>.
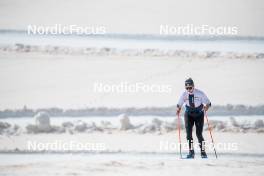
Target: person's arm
<point>206,102</point>
<point>179,104</point>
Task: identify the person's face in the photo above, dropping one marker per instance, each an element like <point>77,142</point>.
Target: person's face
<point>189,89</point>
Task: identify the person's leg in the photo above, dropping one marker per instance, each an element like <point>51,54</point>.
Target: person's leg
<point>189,122</point>
<point>199,123</point>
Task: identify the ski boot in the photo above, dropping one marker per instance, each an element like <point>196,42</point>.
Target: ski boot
<point>203,154</point>
<point>190,155</point>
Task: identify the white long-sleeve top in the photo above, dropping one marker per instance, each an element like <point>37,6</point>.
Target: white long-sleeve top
<point>198,98</point>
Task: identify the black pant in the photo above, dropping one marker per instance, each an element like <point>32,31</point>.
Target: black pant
<point>197,119</point>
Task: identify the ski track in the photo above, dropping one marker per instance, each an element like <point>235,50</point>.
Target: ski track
<point>123,164</point>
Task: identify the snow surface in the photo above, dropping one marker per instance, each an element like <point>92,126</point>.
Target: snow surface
<point>131,154</point>
<point>127,164</point>
<point>148,145</point>
<point>68,82</point>
<point>141,16</point>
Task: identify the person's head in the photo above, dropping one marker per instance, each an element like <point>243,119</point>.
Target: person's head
<point>189,85</point>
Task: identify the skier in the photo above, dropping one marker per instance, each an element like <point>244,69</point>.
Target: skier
<point>196,103</point>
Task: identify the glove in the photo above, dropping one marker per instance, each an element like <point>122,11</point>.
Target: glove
<point>206,107</point>
<point>178,110</point>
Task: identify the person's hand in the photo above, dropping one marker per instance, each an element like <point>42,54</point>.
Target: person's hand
<point>206,107</point>
<point>178,110</point>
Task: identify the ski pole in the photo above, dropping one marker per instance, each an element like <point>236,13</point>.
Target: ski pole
<point>179,133</point>
<point>210,133</point>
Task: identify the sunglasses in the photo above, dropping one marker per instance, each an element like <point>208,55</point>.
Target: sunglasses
<point>188,88</point>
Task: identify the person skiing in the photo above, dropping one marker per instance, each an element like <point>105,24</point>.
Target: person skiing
<point>196,103</point>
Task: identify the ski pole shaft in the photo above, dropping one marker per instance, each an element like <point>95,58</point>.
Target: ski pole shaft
<point>209,128</point>
<point>179,133</point>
